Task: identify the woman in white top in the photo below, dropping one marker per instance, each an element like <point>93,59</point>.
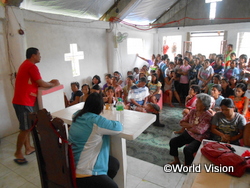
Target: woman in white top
<point>205,74</point>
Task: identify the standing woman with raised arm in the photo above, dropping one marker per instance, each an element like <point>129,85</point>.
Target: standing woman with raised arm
<point>150,62</point>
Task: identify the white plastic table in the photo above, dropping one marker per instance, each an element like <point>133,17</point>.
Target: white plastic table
<point>134,124</point>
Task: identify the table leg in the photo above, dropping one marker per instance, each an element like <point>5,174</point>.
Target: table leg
<point>118,150</point>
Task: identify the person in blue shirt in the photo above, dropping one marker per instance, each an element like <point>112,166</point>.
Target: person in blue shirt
<point>216,94</point>
<point>232,71</point>
<point>219,65</point>
<point>89,135</point>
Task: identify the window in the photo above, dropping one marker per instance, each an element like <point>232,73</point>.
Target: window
<point>171,45</point>
<point>134,45</point>
<point>206,42</point>
<point>243,45</point>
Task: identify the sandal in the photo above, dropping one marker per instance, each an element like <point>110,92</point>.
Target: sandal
<point>20,161</point>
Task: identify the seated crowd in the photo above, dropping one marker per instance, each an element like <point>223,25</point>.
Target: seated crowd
<point>214,92</point>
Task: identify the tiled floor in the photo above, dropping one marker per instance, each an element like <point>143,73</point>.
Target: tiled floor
<point>141,174</point>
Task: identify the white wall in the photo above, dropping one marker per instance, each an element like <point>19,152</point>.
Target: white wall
<point>52,38</point>
<point>232,30</point>
<point>52,35</point>
<point>122,61</point>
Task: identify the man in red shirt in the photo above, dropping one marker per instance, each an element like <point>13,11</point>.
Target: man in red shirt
<point>27,82</point>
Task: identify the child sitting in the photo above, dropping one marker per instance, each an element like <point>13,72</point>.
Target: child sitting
<point>119,76</point>
<point>127,88</point>
<point>241,101</point>
<point>216,80</point>
<point>154,89</point>
<point>154,109</point>
<point>226,90</point>
<point>190,103</point>
<point>191,98</point>
<point>216,94</point>
<point>85,91</point>
<point>169,88</point>
<point>136,73</point>
<point>75,95</point>
<point>110,95</point>
<point>117,87</point>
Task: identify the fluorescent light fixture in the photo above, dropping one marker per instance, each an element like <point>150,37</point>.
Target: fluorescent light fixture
<point>212,11</point>
<point>212,1</point>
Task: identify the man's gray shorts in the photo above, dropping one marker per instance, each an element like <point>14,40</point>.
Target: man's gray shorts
<point>22,113</point>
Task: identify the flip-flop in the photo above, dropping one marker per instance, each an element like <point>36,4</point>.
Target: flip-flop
<point>20,161</point>
<point>31,152</point>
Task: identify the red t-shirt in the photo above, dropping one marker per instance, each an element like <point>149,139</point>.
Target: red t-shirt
<point>26,87</point>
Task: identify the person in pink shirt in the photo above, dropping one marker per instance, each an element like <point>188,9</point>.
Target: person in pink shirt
<point>197,125</point>
<point>117,87</point>
<point>190,102</point>
<point>184,82</point>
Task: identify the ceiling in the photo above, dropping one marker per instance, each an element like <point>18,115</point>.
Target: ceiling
<point>143,14</point>
<point>131,11</point>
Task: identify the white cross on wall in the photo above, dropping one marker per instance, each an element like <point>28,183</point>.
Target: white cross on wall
<point>74,56</point>
<point>212,8</point>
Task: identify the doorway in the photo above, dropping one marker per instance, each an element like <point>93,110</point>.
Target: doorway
<point>206,42</point>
